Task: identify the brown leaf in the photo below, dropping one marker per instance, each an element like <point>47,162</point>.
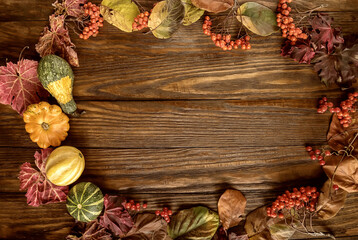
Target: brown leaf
<point>231,206</point>
<point>339,137</point>
<point>330,201</point>
<point>148,226</point>
<point>56,40</point>
<point>346,176</point>
<point>89,231</point>
<point>214,6</point>
<point>260,227</point>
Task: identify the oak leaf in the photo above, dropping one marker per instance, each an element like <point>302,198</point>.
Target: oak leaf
<point>19,85</point>
<point>89,231</point>
<point>39,189</point>
<point>231,207</point>
<point>214,6</point>
<point>330,201</point>
<point>56,40</point>
<point>115,217</point>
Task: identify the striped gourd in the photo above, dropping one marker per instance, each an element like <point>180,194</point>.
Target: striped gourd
<point>85,202</point>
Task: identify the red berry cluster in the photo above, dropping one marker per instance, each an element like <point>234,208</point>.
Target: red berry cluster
<point>318,155</point>
<point>346,107</point>
<point>165,213</point>
<point>285,22</point>
<point>96,21</point>
<point>225,42</point>
<point>141,21</point>
<point>131,205</point>
<point>306,198</point>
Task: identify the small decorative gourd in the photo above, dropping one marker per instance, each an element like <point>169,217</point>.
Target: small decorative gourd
<point>46,124</point>
<point>85,202</point>
<point>57,77</point>
<point>64,165</point>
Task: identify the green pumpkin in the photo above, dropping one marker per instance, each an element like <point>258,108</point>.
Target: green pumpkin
<point>85,202</point>
<point>57,77</point>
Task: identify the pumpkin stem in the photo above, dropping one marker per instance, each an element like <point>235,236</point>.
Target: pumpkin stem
<point>79,206</point>
<point>45,126</point>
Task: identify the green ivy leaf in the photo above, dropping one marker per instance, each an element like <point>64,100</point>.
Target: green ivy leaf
<point>257,18</point>
<point>192,13</point>
<point>166,18</point>
<point>197,223</point>
<point>120,13</point>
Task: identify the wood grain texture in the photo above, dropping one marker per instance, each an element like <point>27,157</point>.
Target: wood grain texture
<point>175,122</point>
<point>170,124</point>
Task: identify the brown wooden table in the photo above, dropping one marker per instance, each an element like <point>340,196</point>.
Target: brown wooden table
<point>175,122</point>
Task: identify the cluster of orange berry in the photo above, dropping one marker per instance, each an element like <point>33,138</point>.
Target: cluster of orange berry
<point>318,155</point>
<point>343,112</point>
<point>289,30</point>
<point>225,42</point>
<point>96,21</point>
<point>305,198</point>
<point>141,21</point>
<point>131,205</point>
<point>166,213</point>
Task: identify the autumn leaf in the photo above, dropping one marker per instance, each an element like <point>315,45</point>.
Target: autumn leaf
<point>339,137</point>
<point>148,226</point>
<point>257,18</point>
<point>330,201</point>
<point>166,18</point>
<point>73,8</point>
<point>19,85</point>
<point>302,52</point>
<point>231,207</point>
<point>214,6</point>
<point>192,13</point>
<point>56,40</point>
<point>346,174</point>
<point>194,223</point>
<point>120,13</point>
<point>89,231</point>
<point>234,236</point>
<point>39,189</point>
<point>323,35</point>
<point>259,227</point>
<point>115,217</point>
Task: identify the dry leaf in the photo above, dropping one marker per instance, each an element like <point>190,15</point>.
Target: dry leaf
<point>89,231</point>
<point>214,6</point>
<point>231,207</point>
<point>192,13</point>
<point>120,13</point>
<point>166,18</point>
<point>20,86</point>
<point>148,226</point>
<point>257,18</point>
<point>56,40</point>
<point>346,176</point>
<point>330,201</point>
<point>339,137</point>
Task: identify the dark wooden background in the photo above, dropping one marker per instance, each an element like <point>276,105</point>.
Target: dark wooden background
<point>175,122</point>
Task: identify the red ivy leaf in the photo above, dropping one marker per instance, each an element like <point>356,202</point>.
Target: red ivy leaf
<point>56,40</point>
<point>19,85</point>
<point>39,189</point>
<point>115,217</point>
<point>323,35</point>
<point>89,231</point>
<point>72,8</point>
<point>302,52</point>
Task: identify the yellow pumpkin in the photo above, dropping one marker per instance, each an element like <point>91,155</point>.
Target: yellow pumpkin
<point>46,124</point>
<point>64,165</point>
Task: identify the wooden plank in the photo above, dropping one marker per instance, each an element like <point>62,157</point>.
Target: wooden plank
<point>17,220</point>
<point>170,124</point>
<point>24,10</point>
<point>135,66</point>
<point>182,170</point>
